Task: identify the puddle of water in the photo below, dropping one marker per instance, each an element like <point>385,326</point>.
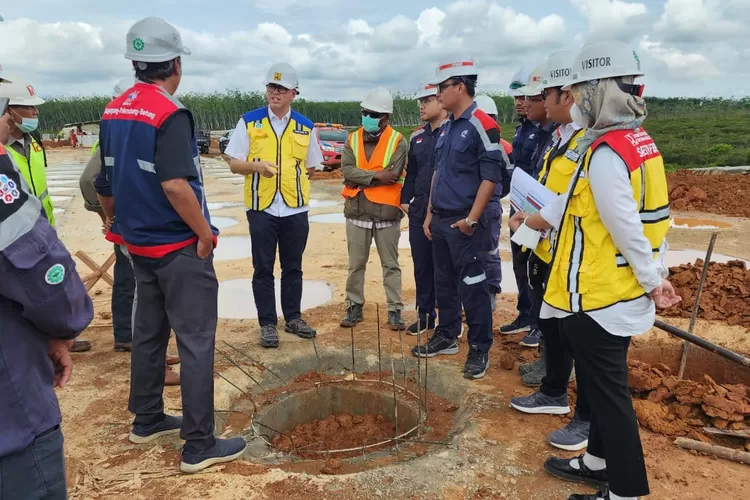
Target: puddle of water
<point>687,223</point>
<point>223,222</point>
<point>233,248</point>
<point>677,257</point>
<point>323,203</point>
<point>224,204</point>
<point>58,210</point>
<point>61,190</point>
<point>403,240</point>
<point>60,199</point>
<point>337,218</point>
<point>236,297</point>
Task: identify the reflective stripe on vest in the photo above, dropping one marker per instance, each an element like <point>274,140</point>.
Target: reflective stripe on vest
<point>556,175</point>
<point>586,273</point>
<point>288,153</point>
<point>93,148</point>
<point>35,175</point>
<point>381,157</point>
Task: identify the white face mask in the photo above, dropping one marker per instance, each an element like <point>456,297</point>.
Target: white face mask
<point>577,116</point>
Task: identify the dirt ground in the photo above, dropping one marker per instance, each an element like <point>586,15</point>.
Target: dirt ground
<point>498,454</point>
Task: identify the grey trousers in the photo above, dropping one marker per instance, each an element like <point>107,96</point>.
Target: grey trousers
<point>358,241</point>
<point>177,292</point>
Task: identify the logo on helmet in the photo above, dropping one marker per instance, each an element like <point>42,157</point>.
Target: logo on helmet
<point>277,77</point>
<point>31,90</point>
<point>637,60</point>
<point>138,44</point>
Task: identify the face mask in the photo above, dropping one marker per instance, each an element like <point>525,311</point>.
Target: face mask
<point>27,125</point>
<point>577,116</point>
<point>370,124</point>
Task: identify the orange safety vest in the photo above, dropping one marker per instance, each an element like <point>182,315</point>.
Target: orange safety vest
<point>381,158</point>
<point>507,146</point>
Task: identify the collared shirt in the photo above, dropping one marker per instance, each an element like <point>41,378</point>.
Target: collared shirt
<point>421,163</point>
<point>468,152</point>
<point>18,144</point>
<point>239,148</point>
<point>613,195</point>
<point>524,143</point>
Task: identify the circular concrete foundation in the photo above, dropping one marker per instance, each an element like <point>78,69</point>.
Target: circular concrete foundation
<point>699,224</point>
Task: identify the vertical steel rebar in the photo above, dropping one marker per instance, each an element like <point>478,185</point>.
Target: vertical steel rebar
<point>403,360</point>
<point>380,367</point>
<point>419,377</point>
<point>395,402</point>
<point>354,372</point>
<point>696,305</point>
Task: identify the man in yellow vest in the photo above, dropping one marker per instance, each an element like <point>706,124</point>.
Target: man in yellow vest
<point>554,366</point>
<point>606,273</point>
<point>373,162</point>
<point>27,153</point>
<point>272,147</point>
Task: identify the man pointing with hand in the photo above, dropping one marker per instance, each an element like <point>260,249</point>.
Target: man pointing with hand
<point>272,147</point>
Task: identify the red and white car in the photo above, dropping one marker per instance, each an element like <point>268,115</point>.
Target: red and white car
<point>332,138</point>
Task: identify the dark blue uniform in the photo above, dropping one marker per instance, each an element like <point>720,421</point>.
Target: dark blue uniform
<point>416,192</point>
<point>525,143</point>
<point>468,152</point>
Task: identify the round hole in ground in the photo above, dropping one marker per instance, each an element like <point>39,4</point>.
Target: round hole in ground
<point>338,420</point>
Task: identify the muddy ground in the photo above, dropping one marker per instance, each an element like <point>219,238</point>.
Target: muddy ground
<point>496,453</point>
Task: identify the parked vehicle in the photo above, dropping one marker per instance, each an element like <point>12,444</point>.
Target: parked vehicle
<point>332,138</point>
<point>204,140</point>
<point>224,141</point>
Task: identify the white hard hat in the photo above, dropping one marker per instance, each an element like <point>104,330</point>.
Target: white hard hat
<point>426,90</point>
<point>19,93</point>
<point>122,85</point>
<point>2,77</point>
<point>154,40</point>
<point>534,83</point>
<point>283,74</point>
<point>557,69</point>
<point>454,68</point>
<point>520,79</point>
<point>378,100</point>
<point>605,60</point>
<point>486,104</point>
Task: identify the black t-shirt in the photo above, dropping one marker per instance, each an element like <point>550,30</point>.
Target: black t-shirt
<point>174,148</point>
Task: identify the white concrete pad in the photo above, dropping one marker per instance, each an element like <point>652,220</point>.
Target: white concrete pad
<point>236,297</point>
<point>233,248</point>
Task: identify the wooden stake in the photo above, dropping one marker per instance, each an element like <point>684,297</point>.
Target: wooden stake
<point>742,457</point>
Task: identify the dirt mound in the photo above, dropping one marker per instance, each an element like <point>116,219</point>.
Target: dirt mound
<point>726,292</point>
<point>323,176</point>
<point>666,405</point>
<point>724,194</point>
<point>334,433</point>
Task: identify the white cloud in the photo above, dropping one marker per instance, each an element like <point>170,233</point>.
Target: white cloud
<point>613,18</point>
<point>704,20</point>
<point>681,64</point>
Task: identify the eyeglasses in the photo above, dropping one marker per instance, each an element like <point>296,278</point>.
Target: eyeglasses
<point>534,98</point>
<point>445,85</point>
<point>273,88</point>
<point>424,101</point>
<point>372,114</point>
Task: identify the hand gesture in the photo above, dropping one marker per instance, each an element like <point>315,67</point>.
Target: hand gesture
<point>464,227</point>
<point>664,296</point>
<point>386,177</point>
<point>266,168</point>
<point>516,220</point>
<point>205,247</point>
<point>58,351</point>
<point>426,225</point>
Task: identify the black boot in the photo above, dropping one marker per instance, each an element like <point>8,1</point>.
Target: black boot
<point>353,316</point>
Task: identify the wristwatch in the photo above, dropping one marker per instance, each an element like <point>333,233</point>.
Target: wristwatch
<point>471,223</point>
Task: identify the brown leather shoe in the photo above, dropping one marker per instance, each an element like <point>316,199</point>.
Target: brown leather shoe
<point>171,377</point>
<point>172,359</point>
<point>123,346</point>
<point>80,346</point>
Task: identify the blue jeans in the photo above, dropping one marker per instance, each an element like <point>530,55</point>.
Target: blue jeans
<point>36,472</point>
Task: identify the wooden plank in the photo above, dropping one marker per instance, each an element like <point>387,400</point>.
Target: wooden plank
<point>743,434</point>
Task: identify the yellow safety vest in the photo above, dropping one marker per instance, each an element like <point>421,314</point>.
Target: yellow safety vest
<point>33,170</point>
<point>287,152</point>
<point>93,148</point>
<point>556,174</point>
<point>588,272</point>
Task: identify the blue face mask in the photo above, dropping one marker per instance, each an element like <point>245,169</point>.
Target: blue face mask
<point>371,125</point>
<point>28,125</point>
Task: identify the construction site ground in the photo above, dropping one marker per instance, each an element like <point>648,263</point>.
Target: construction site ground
<point>498,454</point>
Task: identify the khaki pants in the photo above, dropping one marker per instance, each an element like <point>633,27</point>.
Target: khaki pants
<point>358,241</point>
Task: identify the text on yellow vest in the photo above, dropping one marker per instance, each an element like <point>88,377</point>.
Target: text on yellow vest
<point>33,170</point>
<point>588,272</point>
<point>380,159</point>
<point>287,152</point>
<point>559,164</point>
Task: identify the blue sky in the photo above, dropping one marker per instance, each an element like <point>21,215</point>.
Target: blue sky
<point>342,48</point>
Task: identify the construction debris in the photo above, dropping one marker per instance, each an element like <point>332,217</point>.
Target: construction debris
<point>719,194</point>
<point>726,292</point>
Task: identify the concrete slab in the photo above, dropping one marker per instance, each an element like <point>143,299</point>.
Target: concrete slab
<point>236,297</point>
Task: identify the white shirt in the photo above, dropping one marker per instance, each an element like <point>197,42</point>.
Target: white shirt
<point>613,196</point>
<point>567,131</point>
<point>239,149</point>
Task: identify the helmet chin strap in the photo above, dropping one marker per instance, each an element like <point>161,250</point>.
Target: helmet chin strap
<point>630,88</point>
